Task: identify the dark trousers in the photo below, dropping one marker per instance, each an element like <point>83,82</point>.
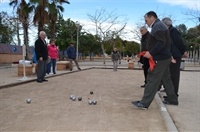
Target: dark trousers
<point>41,69</point>
<point>48,68</point>
<point>70,63</point>
<point>160,73</point>
<point>175,74</point>
<point>145,68</point>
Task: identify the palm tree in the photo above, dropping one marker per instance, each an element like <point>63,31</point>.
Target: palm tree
<point>55,12</point>
<point>23,11</point>
<point>47,12</point>
<point>41,13</point>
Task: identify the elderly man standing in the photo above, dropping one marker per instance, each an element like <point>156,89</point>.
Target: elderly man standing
<point>145,34</point>
<point>41,56</point>
<point>177,50</point>
<point>158,49</point>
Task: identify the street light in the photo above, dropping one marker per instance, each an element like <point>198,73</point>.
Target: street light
<point>191,53</point>
<point>0,37</point>
<point>77,41</point>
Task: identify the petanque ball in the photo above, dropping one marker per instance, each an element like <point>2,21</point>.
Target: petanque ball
<point>90,102</point>
<point>73,98</point>
<point>28,101</point>
<point>94,102</point>
<point>79,98</point>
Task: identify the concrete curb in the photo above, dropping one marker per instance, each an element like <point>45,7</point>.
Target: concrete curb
<point>171,127</point>
<point>34,79</point>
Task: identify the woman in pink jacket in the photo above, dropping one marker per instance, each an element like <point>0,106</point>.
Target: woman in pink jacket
<point>53,54</point>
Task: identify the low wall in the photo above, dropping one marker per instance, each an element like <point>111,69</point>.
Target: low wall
<point>62,65</point>
<point>10,58</point>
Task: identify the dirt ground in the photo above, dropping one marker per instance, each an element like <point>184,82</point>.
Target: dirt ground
<point>52,110</point>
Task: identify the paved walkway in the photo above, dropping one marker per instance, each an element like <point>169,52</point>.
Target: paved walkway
<point>185,117</point>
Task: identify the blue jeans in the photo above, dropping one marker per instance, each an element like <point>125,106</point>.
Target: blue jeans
<point>53,63</point>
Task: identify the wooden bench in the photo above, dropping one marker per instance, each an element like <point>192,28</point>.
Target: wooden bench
<point>62,65</point>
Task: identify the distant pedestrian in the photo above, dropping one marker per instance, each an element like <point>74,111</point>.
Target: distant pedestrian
<point>71,53</point>
<point>145,61</point>
<point>177,51</point>
<point>158,49</point>
<point>42,56</point>
<point>53,54</point>
<point>116,58</point>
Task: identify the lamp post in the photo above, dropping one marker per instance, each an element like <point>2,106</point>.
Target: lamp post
<point>77,41</point>
<point>191,53</point>
<point>0,38</point>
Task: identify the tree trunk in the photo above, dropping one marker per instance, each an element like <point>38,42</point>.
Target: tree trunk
<point>103,50</point>
<point>25,28</point>
<point>18,38</point>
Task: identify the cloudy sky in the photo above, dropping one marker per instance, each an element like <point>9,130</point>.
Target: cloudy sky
<point>133,10</point>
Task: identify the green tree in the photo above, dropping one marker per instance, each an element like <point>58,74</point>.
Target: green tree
<point>88,44</point>
<point>55,10</point>
<point>7,29</point>
<point>132,48</point>
<point>46,12</point>
<point>182,29</point>
<point>23,10</point>
<point>66,33</point>
<point>40,17</point>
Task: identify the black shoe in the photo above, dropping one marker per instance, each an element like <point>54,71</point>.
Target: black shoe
<point>170,102</point>
<point>143,86</point>
<point>70,69</point>
<point>138,104</point>
<point>79,69</point>
<point>45,80</point>
<point>39,81</point>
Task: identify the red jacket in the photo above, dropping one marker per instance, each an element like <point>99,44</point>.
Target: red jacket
<point>52,51</point>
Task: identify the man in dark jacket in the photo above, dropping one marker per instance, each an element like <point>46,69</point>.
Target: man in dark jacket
<point>41,56</point>
<point>158,49</point>
<point>177,50</point>
<point>71,53</point>
<point>145,33</point>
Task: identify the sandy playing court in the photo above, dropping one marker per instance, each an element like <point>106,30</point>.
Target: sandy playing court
<point>52,110</point>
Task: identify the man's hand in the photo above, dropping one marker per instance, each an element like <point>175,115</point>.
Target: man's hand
<point>185,55</point>
<point>147,55</point>
<point>41,59</point>
<point>173,60</point>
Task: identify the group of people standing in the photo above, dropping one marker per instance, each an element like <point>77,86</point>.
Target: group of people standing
<point>165,46</point>
<point>46,56</point>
